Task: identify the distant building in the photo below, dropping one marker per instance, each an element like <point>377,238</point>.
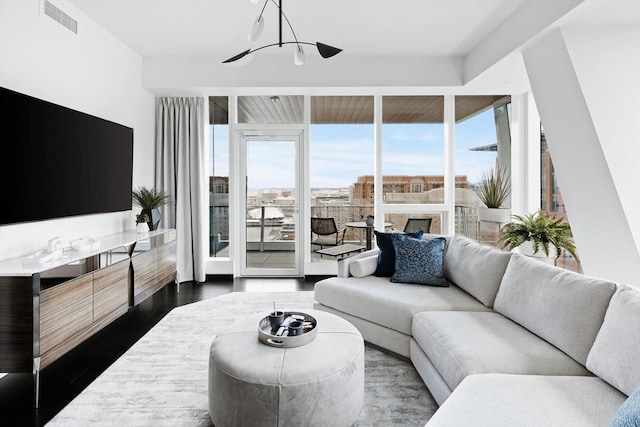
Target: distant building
<point>413,188</point>
<point>218,213</point>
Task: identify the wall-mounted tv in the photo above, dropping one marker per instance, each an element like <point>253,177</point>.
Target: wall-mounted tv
<point>57,162</point>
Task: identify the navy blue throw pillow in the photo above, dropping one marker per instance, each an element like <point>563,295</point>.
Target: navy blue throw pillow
<point>387,256</point>
<point>419,261</point>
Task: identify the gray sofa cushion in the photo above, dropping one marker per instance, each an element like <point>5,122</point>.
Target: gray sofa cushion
<point>465,343</point>
<point>498,400</point>
<point>615,355</point>
<point>475,268</point>
<point>563,307</point>
<point>393,305</point>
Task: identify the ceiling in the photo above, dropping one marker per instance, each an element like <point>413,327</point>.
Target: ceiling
<point>420,28</point>
<point>388,28</point>
<point>472,44</point>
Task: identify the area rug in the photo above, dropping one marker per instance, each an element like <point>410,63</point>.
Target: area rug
<point>162,379</point>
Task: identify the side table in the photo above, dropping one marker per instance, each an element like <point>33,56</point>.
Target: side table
<point>368,230</point>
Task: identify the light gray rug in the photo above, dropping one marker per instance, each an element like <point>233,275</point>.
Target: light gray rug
<point>162,379</point>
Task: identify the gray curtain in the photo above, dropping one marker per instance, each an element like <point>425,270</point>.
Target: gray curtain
<point>180,173</point>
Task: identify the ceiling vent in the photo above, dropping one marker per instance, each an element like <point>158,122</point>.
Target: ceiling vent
<point>58,15</point>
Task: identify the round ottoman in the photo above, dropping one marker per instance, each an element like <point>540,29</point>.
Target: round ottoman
<point>317,384</point>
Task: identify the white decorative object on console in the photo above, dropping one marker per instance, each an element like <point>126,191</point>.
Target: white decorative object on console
<point>54,244</point>
<point>85,244</point>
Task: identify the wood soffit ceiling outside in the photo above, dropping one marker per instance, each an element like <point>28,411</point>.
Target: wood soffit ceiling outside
<point>347,109</point>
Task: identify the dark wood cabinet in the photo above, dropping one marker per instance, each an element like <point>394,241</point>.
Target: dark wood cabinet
<point>65,311</point>
<point>16,324</point>
<point>153,265</point>
<point>48,309</point>
<point>111,291</point>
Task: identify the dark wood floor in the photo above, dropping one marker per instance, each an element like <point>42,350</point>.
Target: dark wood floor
<point>63,380</point>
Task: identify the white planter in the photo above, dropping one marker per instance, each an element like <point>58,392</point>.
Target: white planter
<point>499,215</point>
<point>527,249</point>
<point>142,228</point>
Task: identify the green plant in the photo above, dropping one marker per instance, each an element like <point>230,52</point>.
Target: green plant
<point>494,187</point>
<point>542,230</point>
<point>149,198</point>
<point>142,217</point>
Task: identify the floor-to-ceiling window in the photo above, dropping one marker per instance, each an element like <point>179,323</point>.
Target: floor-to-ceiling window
<point>343,168</point>
<point>218,176</point>
<point>341,160</point>
<point>551,199</point>
<point>413,153</point>
<point>482,141</point>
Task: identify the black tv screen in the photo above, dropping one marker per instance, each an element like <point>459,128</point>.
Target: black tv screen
<point>57,162</point>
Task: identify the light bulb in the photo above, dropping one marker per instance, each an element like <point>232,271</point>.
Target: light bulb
<point>298,56</point>
<point>256,29</point>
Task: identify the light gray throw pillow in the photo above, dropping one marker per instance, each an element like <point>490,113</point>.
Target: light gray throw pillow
<point>615,355</point>
<point>476,268</point>
<point>560,306</point>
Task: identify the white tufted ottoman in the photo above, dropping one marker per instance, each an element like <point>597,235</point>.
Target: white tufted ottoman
<point>318,384</point>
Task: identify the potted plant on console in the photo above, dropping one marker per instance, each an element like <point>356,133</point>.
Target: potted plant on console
<point>150,199</point>
<point>142,223</point>
<point>534,234</point>
<point>493,190</point>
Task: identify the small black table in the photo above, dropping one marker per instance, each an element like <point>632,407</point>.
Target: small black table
<point>368,231</point>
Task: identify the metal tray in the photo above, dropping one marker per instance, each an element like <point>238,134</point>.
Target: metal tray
<point>268,337</point>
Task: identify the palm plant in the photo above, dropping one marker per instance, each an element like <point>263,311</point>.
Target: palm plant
<point>149,198</point>
<point>494,187</point>
<point>542,230</point>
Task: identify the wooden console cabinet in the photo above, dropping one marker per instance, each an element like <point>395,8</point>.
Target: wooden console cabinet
<point>153,266</point>
<point>48,309</point>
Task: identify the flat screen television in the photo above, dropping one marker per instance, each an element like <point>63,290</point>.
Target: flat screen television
<point>57,162</point>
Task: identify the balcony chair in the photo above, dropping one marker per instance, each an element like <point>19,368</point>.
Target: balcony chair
<point>326,232</point>
<point>416,224</point>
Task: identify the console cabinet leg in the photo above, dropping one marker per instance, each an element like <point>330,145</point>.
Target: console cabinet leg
<point>36,380</point>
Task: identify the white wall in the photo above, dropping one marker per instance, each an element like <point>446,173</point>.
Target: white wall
<point>611,89</point>
<point>587,97</point>
<point>92,72</point>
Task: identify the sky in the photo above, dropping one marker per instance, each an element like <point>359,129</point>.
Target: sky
<point>342,152</point>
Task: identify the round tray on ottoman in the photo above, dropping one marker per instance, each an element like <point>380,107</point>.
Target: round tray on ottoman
<point>319,383</point>
<point>309,330</point>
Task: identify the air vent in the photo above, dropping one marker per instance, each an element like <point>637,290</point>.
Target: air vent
<point>58,15</point>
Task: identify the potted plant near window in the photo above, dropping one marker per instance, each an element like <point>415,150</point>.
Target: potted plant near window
<point>535,234</point>
<point>493,190</point>
<point>150,199</point>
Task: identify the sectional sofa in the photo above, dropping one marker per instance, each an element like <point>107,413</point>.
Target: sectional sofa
<point>510,342</point>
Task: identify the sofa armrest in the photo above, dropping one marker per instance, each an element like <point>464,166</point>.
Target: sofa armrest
<point>343,264</point>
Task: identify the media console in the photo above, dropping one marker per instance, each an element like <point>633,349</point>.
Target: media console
<point>49,308</point>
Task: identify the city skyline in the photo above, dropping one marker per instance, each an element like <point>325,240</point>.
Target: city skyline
<point>339,153</point>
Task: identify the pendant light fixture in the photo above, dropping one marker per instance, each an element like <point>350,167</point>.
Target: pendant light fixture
<point>299,58</point>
